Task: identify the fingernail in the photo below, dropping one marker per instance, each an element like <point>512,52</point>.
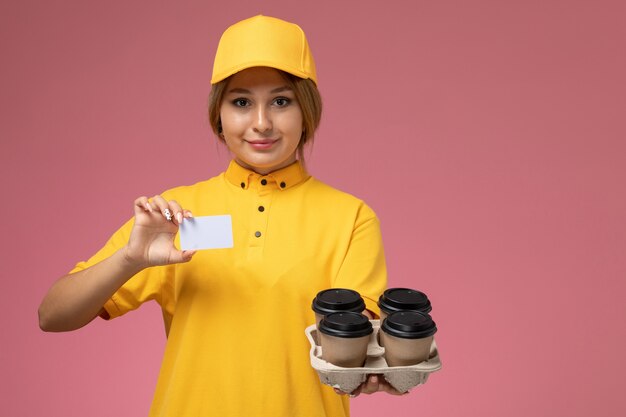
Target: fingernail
<point>168,215</point>
<point>179,217</point>
<point>149,207</point>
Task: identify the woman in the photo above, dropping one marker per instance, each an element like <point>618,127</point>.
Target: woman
<point>235,317</point>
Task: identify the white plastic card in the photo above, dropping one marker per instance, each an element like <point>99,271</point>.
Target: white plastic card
<point>206,232</point>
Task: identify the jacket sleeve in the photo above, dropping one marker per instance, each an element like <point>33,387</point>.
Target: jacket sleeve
<point>363,268</point>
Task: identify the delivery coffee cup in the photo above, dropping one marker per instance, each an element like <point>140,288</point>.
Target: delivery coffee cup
<point>344,338</point>
<point>407,337</point>
<point>399,299</point>
<point>336,300</point>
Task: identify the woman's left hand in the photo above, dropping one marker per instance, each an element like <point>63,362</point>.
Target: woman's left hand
<point>374,383</point>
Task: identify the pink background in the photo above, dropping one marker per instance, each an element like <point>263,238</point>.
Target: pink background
<point>489,136</point>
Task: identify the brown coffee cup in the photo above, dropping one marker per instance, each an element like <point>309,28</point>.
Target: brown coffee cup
<point>401,299</point>
<point>344,338</point>
<point>407,337</point>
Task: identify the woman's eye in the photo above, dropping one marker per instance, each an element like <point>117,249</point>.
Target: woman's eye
<point>281,101</point>
<point>240,102</point>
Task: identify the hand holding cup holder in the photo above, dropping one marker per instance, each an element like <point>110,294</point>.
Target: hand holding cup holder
<point>347,379</point>
<point>409,358</point>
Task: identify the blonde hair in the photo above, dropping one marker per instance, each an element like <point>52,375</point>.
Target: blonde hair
<point>307,95</point>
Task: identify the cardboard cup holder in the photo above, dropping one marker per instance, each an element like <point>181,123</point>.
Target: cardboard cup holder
<point>402,378</point>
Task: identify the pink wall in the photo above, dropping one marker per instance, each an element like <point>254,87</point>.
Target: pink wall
<point>489,136</point>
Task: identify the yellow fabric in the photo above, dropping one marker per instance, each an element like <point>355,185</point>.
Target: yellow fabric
<point>263,41</point>
<point>236,345</point>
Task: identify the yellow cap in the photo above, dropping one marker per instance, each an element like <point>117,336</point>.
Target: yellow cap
<point>263,41</point>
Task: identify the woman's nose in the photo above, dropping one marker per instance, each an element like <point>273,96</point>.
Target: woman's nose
<point>263,122</point>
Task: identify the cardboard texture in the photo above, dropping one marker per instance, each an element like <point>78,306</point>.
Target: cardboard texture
<point>402,378</point>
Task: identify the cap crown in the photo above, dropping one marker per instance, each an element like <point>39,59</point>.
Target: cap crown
<point>263,41</point>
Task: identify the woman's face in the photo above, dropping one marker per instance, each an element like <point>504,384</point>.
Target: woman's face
<point>261,120</point>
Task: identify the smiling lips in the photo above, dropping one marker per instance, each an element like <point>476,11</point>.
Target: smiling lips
<point>262,144</point>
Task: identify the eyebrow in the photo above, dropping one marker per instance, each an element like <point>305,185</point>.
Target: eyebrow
<point>274,91</point>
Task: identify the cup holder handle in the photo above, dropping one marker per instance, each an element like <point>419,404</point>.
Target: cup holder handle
<point>375,351</point>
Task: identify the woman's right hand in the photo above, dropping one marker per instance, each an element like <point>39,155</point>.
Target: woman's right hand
<point>76,299</point>
<point>151,240</point>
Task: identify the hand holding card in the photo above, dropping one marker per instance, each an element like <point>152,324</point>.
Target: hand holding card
<point>206,232</point>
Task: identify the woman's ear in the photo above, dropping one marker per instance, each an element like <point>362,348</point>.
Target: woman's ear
<point>220,131</point>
